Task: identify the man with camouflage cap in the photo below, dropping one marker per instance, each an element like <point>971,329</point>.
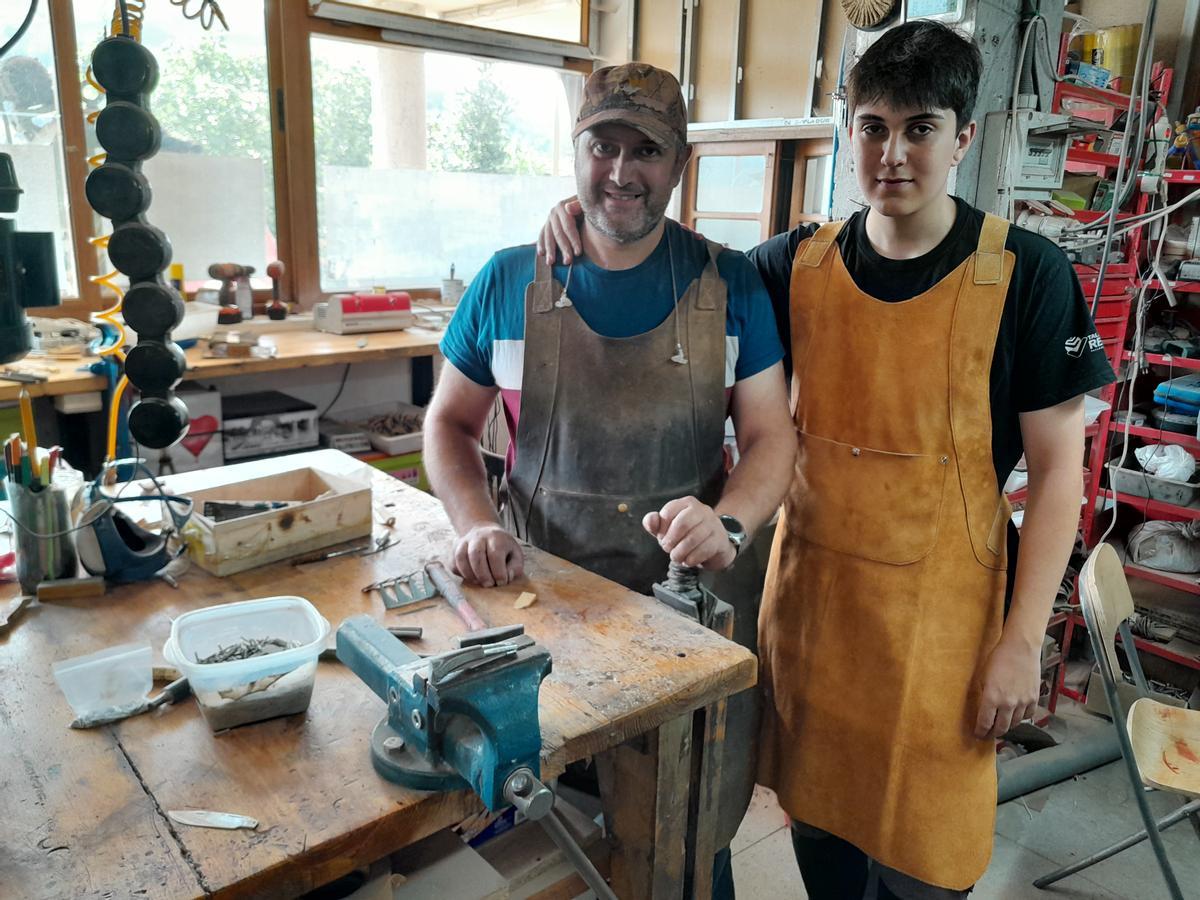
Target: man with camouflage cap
<point>617,373</point>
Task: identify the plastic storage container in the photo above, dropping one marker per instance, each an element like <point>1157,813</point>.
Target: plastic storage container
<point>112,678</point>
<point>391,444</point>
<point>1136,483</point>
<point>240,691</point>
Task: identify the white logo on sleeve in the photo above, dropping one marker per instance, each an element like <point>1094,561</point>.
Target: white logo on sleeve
<point>1076,345</point>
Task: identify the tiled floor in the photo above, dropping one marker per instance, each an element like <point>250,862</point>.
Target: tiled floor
<point>1034,835</point>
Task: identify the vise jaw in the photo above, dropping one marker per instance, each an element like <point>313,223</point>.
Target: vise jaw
<point>467,718</point>
<point>683,591</point>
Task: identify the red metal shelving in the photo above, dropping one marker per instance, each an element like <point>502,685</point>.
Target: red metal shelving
<point>1185,653</point>
<point>1092,158</point>
<point>1159,359</point>
<point>1179,287</point>
<point>1157,434</point>
<point>1187,583</point>
<point>1154,509</point>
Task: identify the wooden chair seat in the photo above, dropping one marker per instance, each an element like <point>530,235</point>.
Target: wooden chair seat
<point>1166,745</point>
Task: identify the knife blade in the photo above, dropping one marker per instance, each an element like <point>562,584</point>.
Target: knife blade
<point>205,818</point>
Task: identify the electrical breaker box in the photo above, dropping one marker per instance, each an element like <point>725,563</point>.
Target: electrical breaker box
<point>1030,161</point>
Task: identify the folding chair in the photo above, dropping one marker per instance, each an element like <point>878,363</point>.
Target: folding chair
<point>1160,744</point>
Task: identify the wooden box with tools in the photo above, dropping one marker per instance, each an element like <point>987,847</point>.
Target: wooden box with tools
<point>262,520</point>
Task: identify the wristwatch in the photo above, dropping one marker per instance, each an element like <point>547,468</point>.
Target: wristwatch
<point>736,533</point>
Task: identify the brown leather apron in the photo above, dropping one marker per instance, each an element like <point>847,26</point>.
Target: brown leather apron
<point>609,430</point>
<point>885,591</point>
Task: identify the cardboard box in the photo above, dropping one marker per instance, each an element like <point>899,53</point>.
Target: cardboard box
<point>324,509</point>
<point>202,447</point>
<point>1097,699</point>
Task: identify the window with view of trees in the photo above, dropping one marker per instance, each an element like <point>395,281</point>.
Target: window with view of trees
<point>356,160</point>
<point>454,158</point>
<point>31,133</point>
<point>213,183</point>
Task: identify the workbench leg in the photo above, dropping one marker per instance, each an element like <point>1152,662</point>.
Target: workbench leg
<point>708,743</point>
<point>644,785</point>
<point>708,740</point>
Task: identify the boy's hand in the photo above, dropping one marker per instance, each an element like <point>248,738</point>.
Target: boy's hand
<point>489,556</point>
<point>692,534</point>
<point>560,234</point>
<point>1012,682</point>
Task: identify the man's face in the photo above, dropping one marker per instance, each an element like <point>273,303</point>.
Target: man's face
<point>902,157</point>
<point>624,180</point>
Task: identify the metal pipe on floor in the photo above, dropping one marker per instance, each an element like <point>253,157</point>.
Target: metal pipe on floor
<point>1041,768</point>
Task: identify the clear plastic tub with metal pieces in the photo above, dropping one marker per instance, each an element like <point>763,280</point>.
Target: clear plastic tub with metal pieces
<point>251,660</point>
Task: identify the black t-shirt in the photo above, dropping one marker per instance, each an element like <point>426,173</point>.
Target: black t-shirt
<point>1047,350</point>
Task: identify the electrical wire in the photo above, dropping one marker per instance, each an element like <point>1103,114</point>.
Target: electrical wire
<point>1139,342</point>
<point>341,387</point>
<point>206,12</point>
<point>21,29</point>
<point>1014,148</point>
<point>1135,222</point>
<point>1141,73</point>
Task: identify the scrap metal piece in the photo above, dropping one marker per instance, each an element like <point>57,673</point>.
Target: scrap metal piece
<point>204,818</point>
<point>171,694</point>
<point>443,666</point>
<point>490,635</point>
<point>405,589</point>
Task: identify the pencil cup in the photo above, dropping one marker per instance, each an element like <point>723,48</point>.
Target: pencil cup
<point>38,513</point>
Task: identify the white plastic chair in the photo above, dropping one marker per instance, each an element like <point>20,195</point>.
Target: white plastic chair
<point>1160,744</point>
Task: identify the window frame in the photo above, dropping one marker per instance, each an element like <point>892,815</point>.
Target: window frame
<point>289,26</point>
<point>788,148</point>
<point>767,212</point>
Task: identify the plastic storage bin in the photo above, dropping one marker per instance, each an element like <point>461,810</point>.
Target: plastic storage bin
<point>112,678</point>
<point>391,444</point>
<point>1136,483</point>
<point>240,691</point>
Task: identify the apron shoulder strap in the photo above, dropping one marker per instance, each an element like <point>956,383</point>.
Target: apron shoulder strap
<point>990,252</point>
<point>541,289</point>
<point>705,297</point>
<point>812,251</point>
<point>977,315</point>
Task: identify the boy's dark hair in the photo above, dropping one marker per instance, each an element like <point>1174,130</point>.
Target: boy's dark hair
<point>924,65</point>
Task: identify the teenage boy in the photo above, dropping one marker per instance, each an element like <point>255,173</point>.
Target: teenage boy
<point>931,344</point>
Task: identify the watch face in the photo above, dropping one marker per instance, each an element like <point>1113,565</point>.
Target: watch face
<point>734,528</point>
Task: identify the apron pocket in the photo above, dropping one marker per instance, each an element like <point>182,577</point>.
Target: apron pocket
<point>867,503</point>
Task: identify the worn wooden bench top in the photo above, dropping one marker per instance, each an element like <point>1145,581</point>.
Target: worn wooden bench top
<point>85,812</point>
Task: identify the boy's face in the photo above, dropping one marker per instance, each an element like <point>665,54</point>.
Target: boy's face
<point>624,180</point>
<point>903,156</point>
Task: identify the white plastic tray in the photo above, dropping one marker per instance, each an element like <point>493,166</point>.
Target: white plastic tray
<point>396,445</point>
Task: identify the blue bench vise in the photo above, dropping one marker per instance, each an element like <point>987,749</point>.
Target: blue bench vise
<point>467,718</point>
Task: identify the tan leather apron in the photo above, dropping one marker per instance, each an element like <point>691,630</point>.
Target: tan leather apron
<point>611,429</point>
<point>885,591</point>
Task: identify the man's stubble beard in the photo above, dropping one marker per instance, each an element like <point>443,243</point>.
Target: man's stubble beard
<point>648,221</point>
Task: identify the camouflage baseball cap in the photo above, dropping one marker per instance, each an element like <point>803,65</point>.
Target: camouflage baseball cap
<point>638,95</point>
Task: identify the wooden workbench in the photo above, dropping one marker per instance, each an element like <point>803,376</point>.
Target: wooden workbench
<point>297,350</point>
<point>85,812</point>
